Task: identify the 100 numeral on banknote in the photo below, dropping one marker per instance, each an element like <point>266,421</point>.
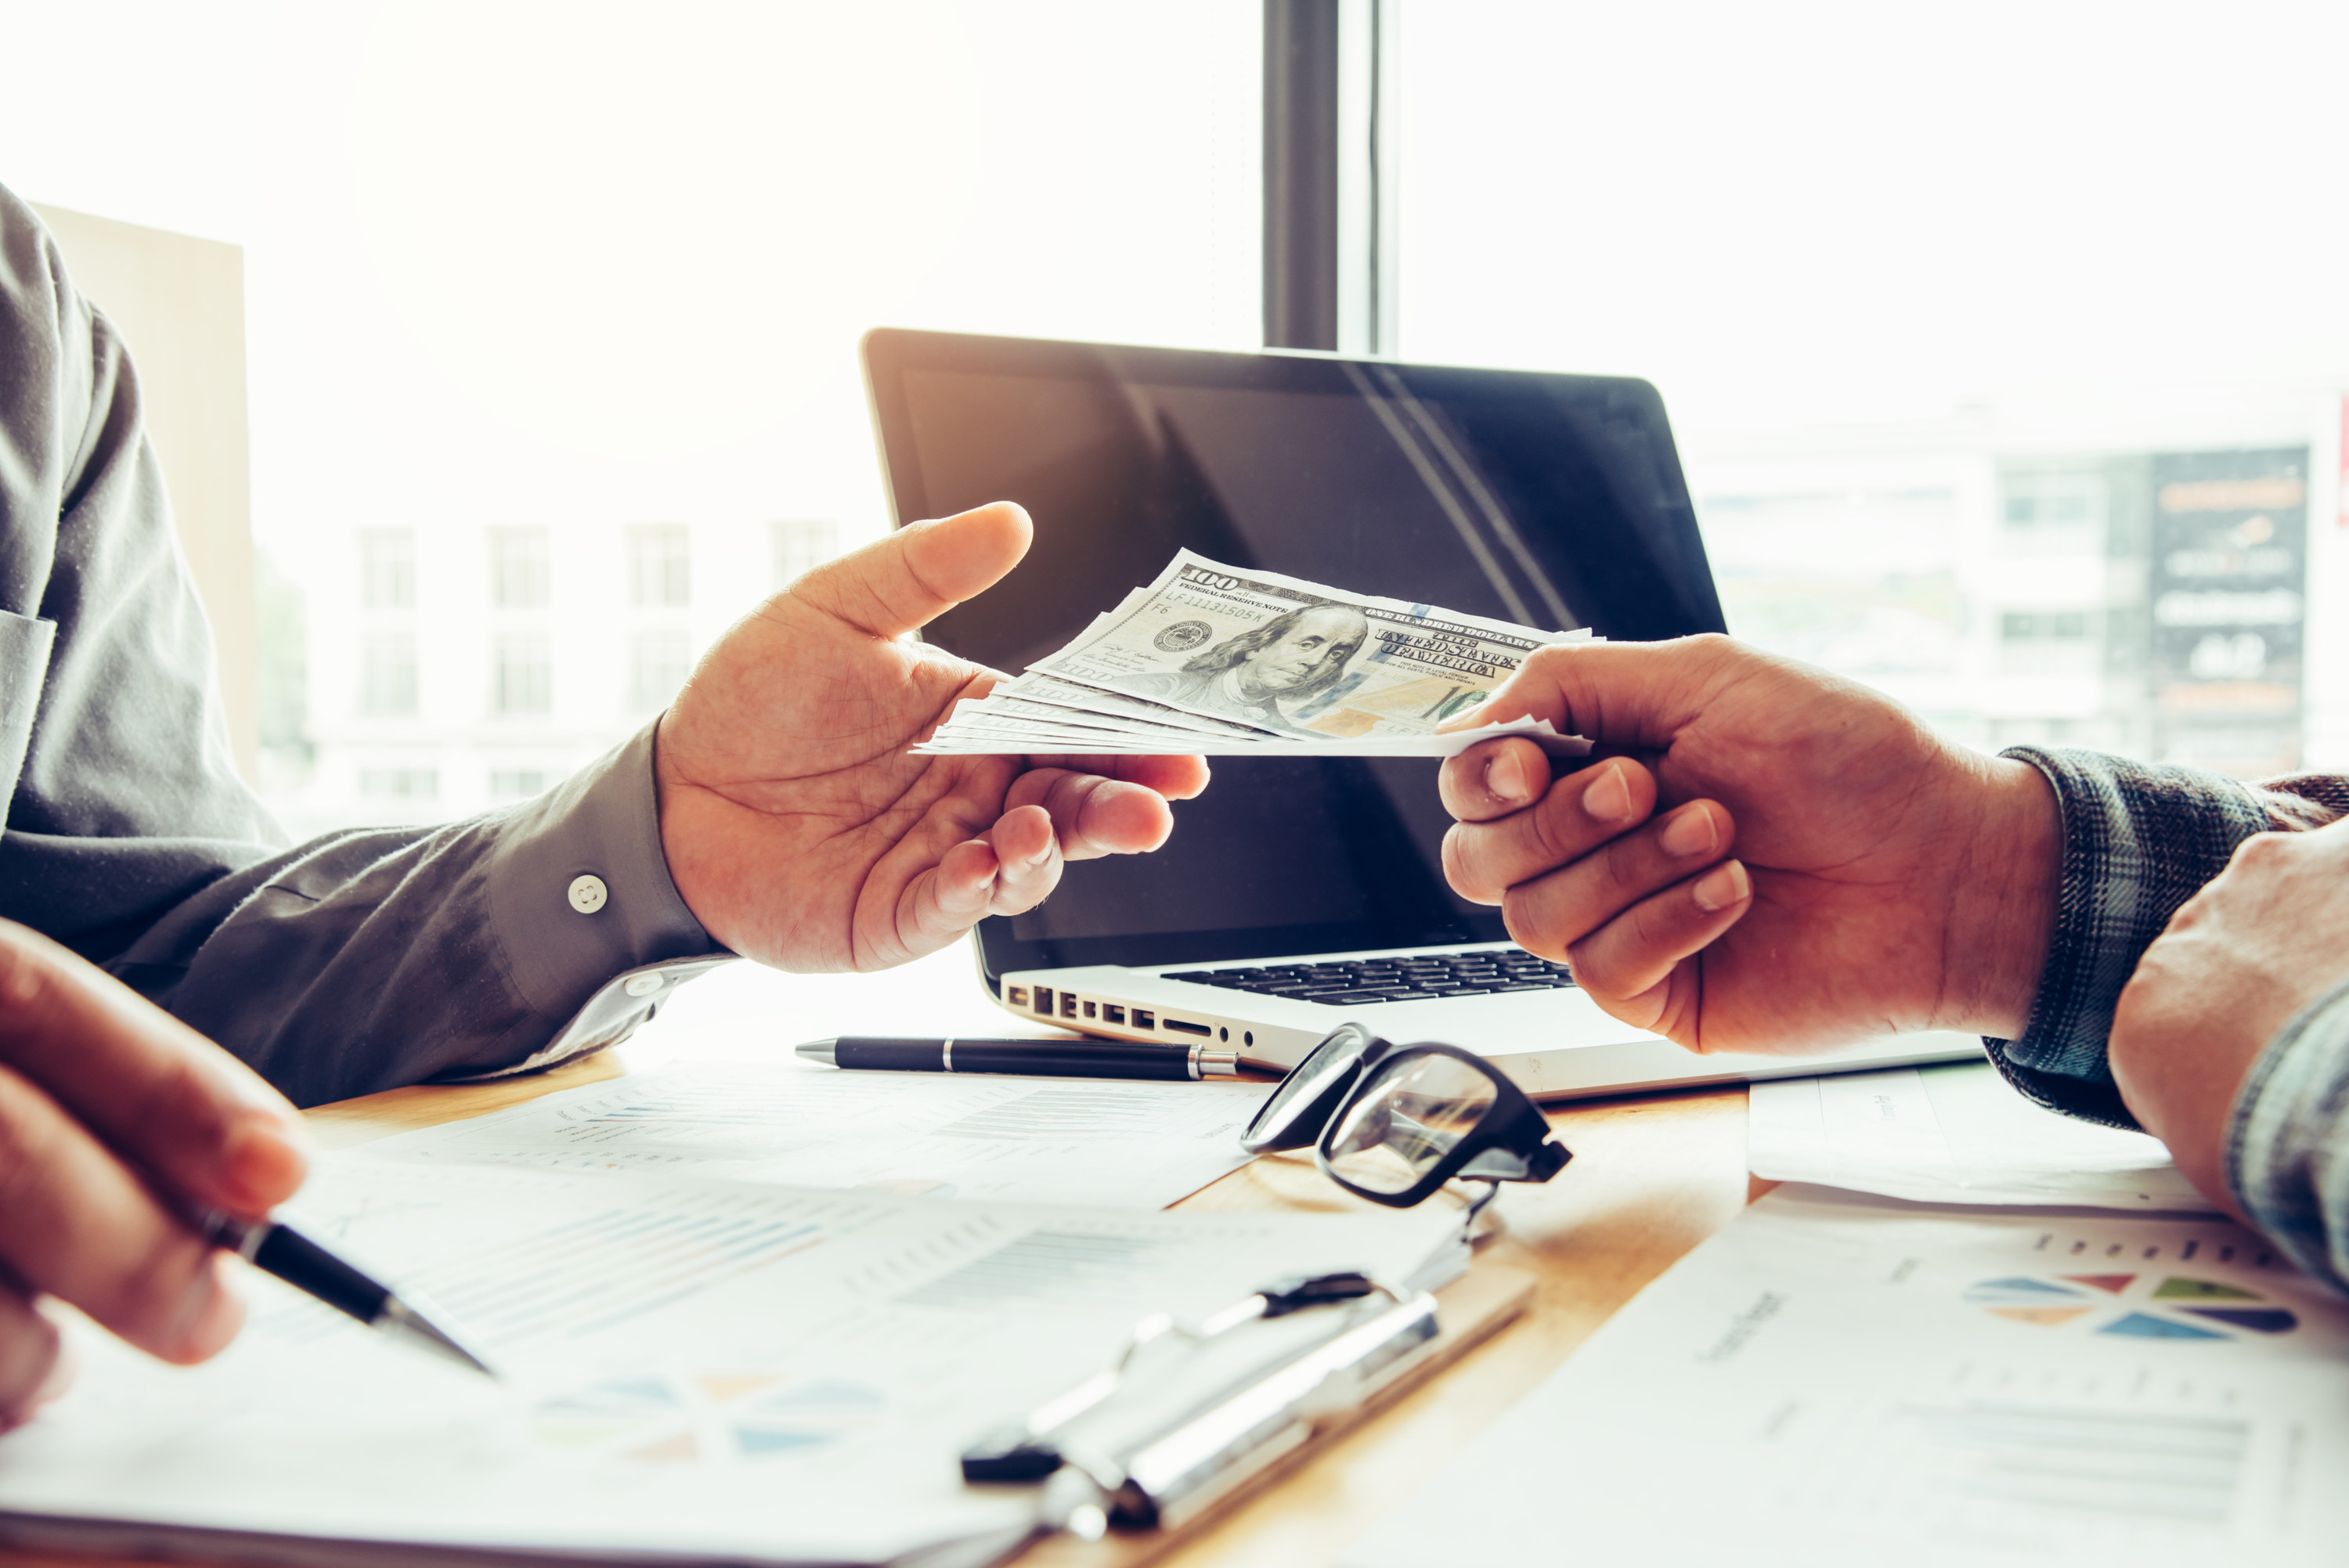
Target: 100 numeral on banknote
<point>1225,660</point>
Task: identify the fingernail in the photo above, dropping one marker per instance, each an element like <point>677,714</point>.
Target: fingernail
<point>1723,885</point>
<point>1608,798</point>
<point>263,1162</point>
<point>1689,834</point>
<point>1504,778</point>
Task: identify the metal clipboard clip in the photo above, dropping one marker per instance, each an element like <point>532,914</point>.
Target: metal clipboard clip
<point>1185,1415</point>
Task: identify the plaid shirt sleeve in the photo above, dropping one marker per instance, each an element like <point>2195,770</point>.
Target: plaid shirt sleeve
<point>2138,842</point>
<point>2288,1144</point>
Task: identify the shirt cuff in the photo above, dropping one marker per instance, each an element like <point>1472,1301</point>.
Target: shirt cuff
<point>2139,840</point>
<point>2287,1158</point>
<point>580,893</point>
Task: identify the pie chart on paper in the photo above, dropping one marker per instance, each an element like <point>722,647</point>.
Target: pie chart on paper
<point>2149,1306</point>
<point>716,1418</point>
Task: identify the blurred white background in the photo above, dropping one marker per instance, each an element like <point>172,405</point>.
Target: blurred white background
<point>558,305</point>
<point>585,269</point>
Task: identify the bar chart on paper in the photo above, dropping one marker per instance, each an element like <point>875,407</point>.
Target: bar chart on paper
<point>599,1273</point>
<point>1861,1381</point>
<point>2130,1305</point>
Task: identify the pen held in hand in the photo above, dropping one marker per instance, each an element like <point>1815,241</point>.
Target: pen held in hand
<point>278,1249</point>
<point>1043,1059</point>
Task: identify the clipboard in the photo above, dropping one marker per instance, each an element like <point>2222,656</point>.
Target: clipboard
<point>1474,1308</point>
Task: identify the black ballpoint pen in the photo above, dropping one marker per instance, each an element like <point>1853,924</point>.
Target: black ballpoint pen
<point>277,1248</point>
<point>1047,1058</point>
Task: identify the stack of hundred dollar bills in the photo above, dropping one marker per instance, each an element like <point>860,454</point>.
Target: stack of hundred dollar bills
<point>1226,661</point>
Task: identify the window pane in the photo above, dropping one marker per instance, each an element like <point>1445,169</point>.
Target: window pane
<point>387,569</point>
<point>405,785</point>
<point>658,566</point>
<point>508,784</point>
<point>388,674</point>
<point>658,663</point>
<point>518,568</point>
<point>2003,342</point>
<point>523,681</point>
<point>801,544</point>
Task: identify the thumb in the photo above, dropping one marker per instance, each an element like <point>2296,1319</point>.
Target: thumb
<point>1614,694</point>
<point>920,571</point>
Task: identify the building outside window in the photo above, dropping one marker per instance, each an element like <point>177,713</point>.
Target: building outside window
<point>659,659</point>
<point>509,784</point>
<point>2135,437</point>
<point>523,679</point>
<point>388,674</point>
<point>518,568</point>
<point>659,568</point>
<point>388,568</point>
<point>802,544</point>
<point>2052,504</point>
<point>406,784</point>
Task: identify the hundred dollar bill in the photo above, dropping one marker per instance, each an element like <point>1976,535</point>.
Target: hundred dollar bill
<point>1222,660</point>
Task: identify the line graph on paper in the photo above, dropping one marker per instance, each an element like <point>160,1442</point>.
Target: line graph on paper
<point>971,1136</point>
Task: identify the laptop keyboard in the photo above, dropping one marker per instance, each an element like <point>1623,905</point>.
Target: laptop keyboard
<point>1417,978</point>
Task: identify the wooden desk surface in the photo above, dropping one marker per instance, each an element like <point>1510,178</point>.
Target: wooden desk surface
<point>1652,1176</point>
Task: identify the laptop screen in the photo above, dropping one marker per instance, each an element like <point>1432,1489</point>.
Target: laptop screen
<point>1556,502</point>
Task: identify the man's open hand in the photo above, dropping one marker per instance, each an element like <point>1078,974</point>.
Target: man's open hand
<point>2263,939</point>
<point>1883,880</point>
<point>798,829</point>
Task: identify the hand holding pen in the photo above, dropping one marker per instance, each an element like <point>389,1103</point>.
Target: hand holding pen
<point>116,1118</point>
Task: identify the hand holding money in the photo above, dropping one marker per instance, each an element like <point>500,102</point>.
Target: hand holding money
<point>793,823</point>
<point>1214,660</point>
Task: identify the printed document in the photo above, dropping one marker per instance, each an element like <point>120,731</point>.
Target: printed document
<point>1957,1133</point>
<point>697,1370</point>
<point>1102,1141</point>
<point>1844,1381</point>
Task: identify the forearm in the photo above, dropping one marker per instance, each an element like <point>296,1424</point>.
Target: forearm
<point>2287,1153</point>
<point>367,960</point>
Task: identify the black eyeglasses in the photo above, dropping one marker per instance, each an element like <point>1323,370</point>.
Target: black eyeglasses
<point>1394,1123</point>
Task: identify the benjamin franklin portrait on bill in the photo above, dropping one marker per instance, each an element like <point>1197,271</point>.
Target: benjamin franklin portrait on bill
<point>1290,659</point>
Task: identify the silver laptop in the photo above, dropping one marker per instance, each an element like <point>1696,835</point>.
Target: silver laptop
<point>1298,894</point>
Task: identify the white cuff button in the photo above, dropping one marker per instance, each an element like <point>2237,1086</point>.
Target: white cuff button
<point>642,985</point>
<point>588,893</point>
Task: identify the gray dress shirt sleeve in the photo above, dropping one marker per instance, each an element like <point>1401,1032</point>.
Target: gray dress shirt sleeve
<point>357,962</point>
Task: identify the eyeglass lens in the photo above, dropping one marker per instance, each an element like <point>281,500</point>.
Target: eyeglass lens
<point>1334,1057</point>
<point>1409,1115</point>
